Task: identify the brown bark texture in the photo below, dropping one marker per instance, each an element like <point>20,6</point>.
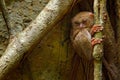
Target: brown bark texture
<point>24,41</point>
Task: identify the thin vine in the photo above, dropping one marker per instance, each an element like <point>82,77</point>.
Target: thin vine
<point>99,6</point>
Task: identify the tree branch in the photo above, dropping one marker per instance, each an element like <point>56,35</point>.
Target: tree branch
<point>98,48</point>
<point>109,44</point>
<point>45,21</point>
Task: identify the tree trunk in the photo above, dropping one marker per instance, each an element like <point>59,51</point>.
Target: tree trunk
<point>20,44</point>
<point>53,58</point>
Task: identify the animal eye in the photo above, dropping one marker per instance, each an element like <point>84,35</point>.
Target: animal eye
<point>84,21</point>
<point>77,23</point>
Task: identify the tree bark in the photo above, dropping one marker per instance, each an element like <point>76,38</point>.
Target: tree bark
<point>117,9</point>
<point>98,48</point>
<point>4,31</point>
<point>22,43</point>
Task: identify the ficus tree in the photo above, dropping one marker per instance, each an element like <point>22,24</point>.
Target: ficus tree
<point>42,50</point>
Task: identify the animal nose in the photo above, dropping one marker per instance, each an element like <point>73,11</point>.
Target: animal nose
<point>81,25</point>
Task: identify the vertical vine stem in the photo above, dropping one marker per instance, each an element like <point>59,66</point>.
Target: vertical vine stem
<point>5,14</point>
<point>99,12</point>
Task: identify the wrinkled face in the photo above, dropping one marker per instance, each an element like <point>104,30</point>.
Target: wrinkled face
<point>83,20</point>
